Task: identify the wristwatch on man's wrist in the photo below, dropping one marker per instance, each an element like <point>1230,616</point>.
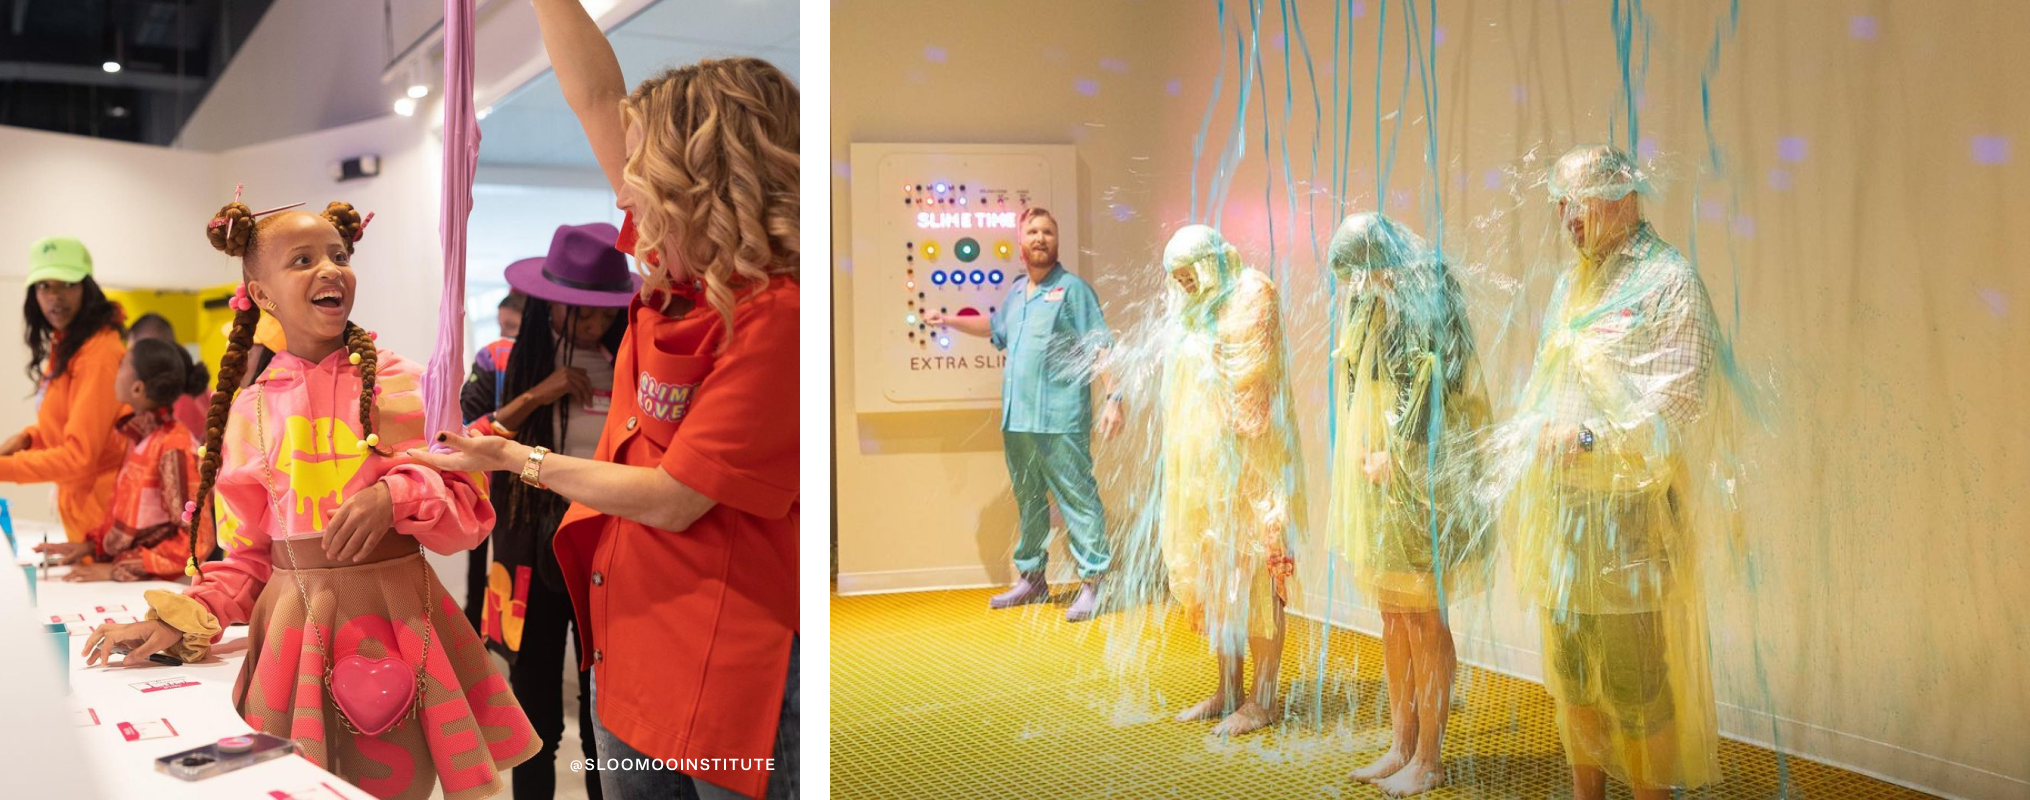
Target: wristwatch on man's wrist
<point>1586,439</point>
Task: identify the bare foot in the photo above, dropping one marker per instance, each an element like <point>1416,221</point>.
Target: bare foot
<point>1214,707</point>
<point>1246,719</point>
<point>1415,777</point>
<point>1389,763</point>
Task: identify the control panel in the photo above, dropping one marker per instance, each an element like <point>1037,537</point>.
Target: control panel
<point>935,229</point>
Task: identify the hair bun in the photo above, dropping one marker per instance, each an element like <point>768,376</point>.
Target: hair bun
<point>196,378</point>
<point>232,235</point>
<point>346,219</point>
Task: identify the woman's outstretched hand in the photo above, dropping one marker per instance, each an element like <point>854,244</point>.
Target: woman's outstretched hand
<point>470,454</point>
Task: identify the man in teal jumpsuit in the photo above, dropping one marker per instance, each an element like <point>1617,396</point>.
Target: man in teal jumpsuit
<point>1056,339</point>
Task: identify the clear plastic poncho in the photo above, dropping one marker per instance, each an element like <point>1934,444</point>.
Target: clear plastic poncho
<point>1607,540</point>
<point>1412,410</point>
<point>1232,500</point>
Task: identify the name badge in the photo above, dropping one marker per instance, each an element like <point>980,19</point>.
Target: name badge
<point>1054,295</point>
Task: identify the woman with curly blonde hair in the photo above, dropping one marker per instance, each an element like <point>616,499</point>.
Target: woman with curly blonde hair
<point>679,550</point>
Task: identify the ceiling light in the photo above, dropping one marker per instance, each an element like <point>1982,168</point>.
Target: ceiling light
<point>117,112</point>
<point>405,106</point>
<point>419,91</point>
<point>110,66</point>
<point>484,112</point>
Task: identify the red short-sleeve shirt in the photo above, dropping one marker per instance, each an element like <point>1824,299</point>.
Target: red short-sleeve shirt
<point>689,633</point>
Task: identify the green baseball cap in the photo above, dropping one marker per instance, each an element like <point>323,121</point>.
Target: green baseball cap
<point>58,258</point>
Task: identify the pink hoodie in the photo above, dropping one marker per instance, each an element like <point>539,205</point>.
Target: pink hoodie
<point>311,426</point>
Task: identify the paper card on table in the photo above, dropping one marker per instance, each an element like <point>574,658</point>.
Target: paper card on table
<point>322,791</point>
<point>148,729</point>
<point>84,717</point>
<point>66,618</point>
<point>113,607</point>
<point>119,619</point>
<point>177,682</point>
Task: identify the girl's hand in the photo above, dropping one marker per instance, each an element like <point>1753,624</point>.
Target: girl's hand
<point>473,454</point>
<point>14,444</point>
<point>65,552</point>
<point>359,524</point>
<point>146,638</point>
<point>89,572</point>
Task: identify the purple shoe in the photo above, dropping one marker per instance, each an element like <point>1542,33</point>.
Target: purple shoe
<point>1030,588</point>
<point>1086,604</point>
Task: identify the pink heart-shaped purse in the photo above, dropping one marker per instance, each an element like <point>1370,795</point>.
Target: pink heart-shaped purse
<point>373,693</point>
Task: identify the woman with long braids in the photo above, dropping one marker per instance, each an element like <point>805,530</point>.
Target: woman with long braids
<point>74,346</point>
<point>553,392</point>
<point>680,547</point>
<point>322,517</point>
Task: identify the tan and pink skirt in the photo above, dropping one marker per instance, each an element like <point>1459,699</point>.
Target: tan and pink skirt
<point>469,728</point>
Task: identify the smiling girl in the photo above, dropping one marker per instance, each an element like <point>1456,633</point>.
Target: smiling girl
<point>355,650</point>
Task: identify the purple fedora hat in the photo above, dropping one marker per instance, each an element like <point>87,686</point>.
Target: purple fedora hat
<point>582,269</point>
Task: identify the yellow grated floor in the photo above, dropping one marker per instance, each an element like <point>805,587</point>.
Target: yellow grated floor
<point>936,697</point>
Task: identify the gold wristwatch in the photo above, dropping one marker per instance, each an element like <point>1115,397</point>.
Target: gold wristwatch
<point>532,469</point>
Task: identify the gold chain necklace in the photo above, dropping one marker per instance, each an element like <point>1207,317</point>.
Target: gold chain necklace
<point>309,620</point>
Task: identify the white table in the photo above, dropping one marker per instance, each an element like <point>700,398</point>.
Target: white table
<point>200,714</point>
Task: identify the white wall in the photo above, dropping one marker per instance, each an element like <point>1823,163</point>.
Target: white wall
<point>515,211</point>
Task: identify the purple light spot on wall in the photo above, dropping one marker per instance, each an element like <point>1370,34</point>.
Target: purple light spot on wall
<point>1276,44</point>
<point>1399,198</point>
<point>934,55</point>
<point>1744,226</point>
<point>1521,94</point>
<point>846,265</point>
<point>1113,65</point>
<point>1356,9</point>
<point>1862,26</point>
<point>1438,35</point>
<point>1998,303</point>
<point>1712,211</point>
<point>1991,149</point>
<point>1122,213</point>
<point>1645,148</point>
<point>1173,87</point>
<point>842,169</point>
<point>1641,100</point>
<point>1086,86</point>
<point>1779,179</point>
<point>1790,148</point>
<point>1492,179</point>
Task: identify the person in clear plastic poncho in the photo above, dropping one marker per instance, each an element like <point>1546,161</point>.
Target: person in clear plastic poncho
<point>1412,409</point>
<point>1602,471</point>
<point>1231,498</point>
